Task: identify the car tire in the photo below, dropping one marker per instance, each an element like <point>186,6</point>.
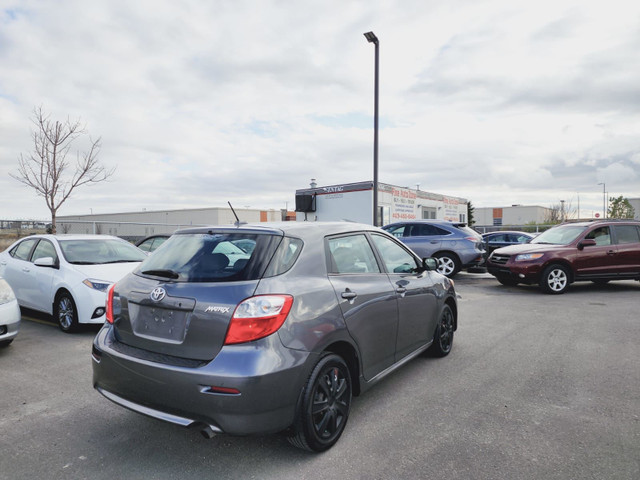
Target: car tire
<point>5,343</point>
<point>324,405</point>
<point>443,336</point>
<point>555,279</point>
<point>507,281</point>
<point>448,264</point>
<point>66,313</point>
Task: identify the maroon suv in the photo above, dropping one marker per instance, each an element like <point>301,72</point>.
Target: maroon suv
<point>598,251</point>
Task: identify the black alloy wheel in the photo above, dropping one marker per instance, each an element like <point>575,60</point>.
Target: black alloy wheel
<point>443,337</point>
<point>66,313</point>
<point>324,406</point>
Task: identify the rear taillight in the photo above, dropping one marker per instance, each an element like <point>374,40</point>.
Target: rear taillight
<point>109,312</point>
<point>258,317</point>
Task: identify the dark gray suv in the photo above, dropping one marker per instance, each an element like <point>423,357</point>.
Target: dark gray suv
<point>277,338</point>
<point>455,245</point>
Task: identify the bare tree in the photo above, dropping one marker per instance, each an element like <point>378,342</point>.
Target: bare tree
<point>560,212</point>
<point>45,169</point>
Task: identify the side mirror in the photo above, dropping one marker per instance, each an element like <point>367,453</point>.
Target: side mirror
<point>45,262</point>
<point>430,264</point>
<point>587,242</point>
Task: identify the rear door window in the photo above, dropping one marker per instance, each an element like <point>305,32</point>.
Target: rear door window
<point>627,233</point>
<point>23,250</point>
<point>427,230</point>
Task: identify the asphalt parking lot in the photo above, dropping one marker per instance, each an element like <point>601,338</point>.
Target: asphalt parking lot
<point>537,387</point>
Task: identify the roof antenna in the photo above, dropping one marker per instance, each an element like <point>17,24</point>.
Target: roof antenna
<point>238,222</point>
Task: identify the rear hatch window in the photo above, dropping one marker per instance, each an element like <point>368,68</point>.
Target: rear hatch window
<point>212,257</point>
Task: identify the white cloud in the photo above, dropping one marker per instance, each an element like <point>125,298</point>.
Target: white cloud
<point>198,102</point>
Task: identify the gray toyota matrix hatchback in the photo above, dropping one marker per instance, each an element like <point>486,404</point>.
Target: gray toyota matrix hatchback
<point>268,328</point>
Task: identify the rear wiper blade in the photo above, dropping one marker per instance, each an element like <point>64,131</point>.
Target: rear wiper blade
<point>162,273</point>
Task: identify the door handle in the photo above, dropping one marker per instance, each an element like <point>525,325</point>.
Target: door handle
<point>401,291</point>
<point>349,295</point>
<point>611,252</point>
<point>26,270</point>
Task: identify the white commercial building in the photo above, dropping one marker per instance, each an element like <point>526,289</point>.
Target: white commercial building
<point>354,202</point>
<point>515,215</point>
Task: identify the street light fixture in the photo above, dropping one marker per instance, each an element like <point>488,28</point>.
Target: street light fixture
<point>371,38</point>
<point>604,200</point>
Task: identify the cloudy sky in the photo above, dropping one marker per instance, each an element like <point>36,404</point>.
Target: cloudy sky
<point>202,102</point>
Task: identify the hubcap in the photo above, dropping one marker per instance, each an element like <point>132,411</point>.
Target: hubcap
<point>446,265</point>
<point>65,312</point>
<point>557,280</point>
<point>330,403</point>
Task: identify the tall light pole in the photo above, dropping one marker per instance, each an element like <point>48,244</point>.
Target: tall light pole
<point>604,200</point>
<point>562,214</point>
<point>371,38</point>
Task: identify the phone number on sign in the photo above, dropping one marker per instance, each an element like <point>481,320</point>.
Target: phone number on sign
<point>403,216</point>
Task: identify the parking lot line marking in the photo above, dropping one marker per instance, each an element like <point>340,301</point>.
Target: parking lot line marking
<point>37,320</point>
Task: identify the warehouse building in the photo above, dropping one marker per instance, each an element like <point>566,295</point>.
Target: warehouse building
<point>354,202</point>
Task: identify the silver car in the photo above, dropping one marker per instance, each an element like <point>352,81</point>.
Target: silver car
<point>455,245</point>
<point>277,339</point>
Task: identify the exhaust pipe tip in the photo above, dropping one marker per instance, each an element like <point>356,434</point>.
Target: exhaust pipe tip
<point>207,432</point>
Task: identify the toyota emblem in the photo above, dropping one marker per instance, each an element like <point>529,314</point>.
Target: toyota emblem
<point>158,294</point>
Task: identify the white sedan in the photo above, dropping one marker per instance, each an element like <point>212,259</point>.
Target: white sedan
<point>67,276</point>
<point>9,314</point>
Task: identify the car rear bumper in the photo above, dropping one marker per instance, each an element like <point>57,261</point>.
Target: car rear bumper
<point>267,375</point>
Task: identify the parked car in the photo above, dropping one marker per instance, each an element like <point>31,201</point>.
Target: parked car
<point>455,245</point>
<point>493,240</point>
<point>279,340</point>
<point>599,251</point>
<point>67,275</point>
<point>9,314</point>
<point>152,242</point>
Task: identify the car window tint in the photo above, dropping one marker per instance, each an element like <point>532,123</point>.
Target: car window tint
<point>398,232</point>
<point>499,238</point>
<point>627,234</point>
<point>284,257</point>
<point>212,257</point>
<point>522,239</point>
<point>99,251</point>
<point>44,249</point>
<point>157,242</point>
<point>426,230</point>
<point>600,235</point>
<point>23,249</point>
<point>146,245</point>
<point>396,259</point>
<point>352,254</point>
